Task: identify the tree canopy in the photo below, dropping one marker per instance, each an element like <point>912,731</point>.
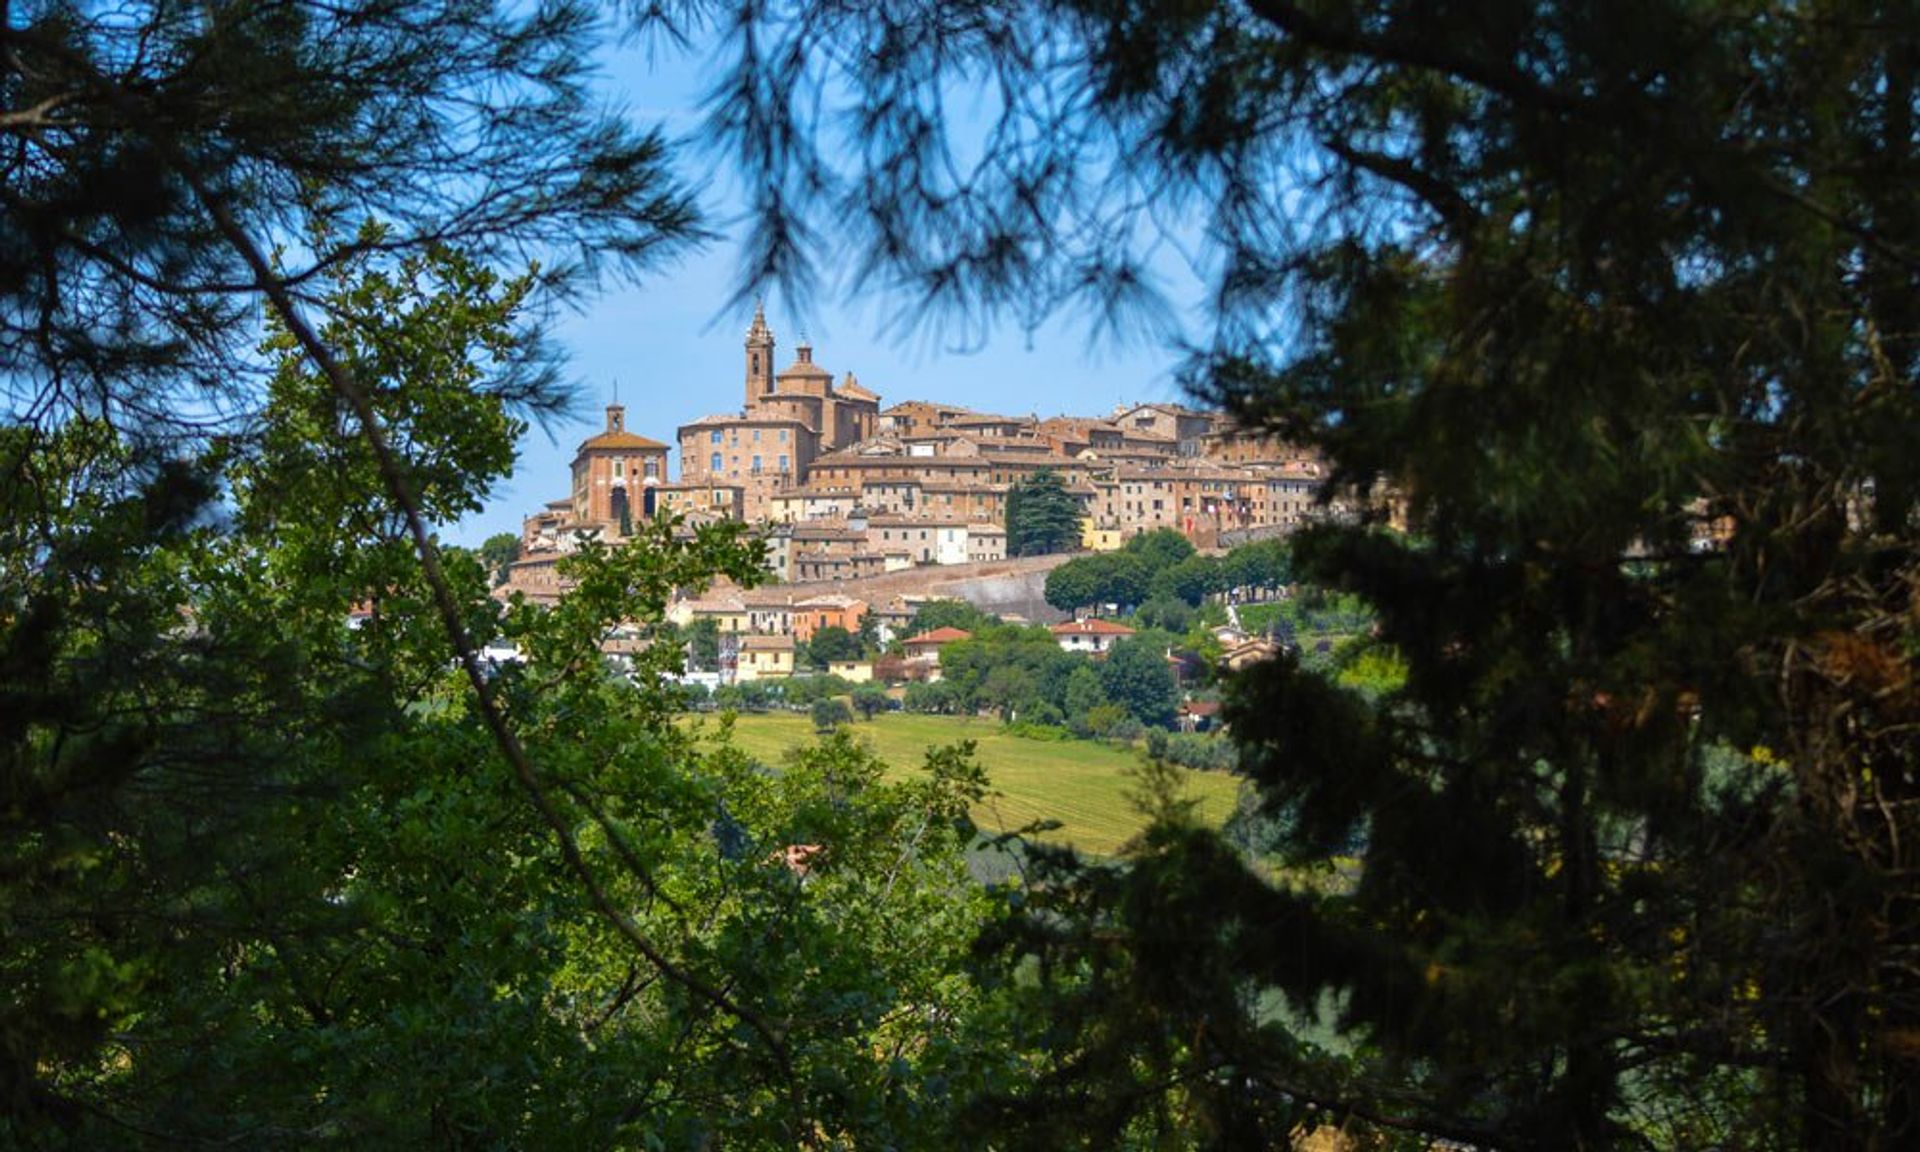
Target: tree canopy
<point>1620,315</point>
<point>1612,845</point>
<point>280,861</point>
<point>1042,516</point>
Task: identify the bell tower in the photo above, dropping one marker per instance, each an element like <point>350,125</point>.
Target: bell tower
<point>759,357</point>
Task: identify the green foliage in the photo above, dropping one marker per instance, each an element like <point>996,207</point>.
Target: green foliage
<point>1042,730</point>
<point>829,712</point>
<point>870,699</point>
<point>1078,786</point>
<point>832,643</point>
<point>1120,578</point>
<point>937,614</point>
<point>498,552</point>
<point>1312,612</point>
<point>1191,580</point>
<point>702,638</point>
<point>1202,752</point>
<point>1166,615</point>
<point>1372,669</point>
<point>1135,676</point>
<point>1160,549</point>
<point>1042,516</point>
<point>803,691</point>
<point>1623,314</point>
<point>938,697</point>
<point>1008,670</point>
<point>159,157</point>
<point>1080,697</point>
<point>1112,722</point>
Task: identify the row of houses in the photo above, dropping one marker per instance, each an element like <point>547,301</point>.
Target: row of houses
<point>750,656</point>
<point>843,488</point>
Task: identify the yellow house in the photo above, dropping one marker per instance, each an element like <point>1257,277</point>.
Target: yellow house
<point>764,658</point>
<point>852,671</point>
<point>729,613</point>
<point>1097,539</point>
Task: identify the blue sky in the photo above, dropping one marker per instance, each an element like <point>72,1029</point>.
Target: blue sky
<point>675,350</point>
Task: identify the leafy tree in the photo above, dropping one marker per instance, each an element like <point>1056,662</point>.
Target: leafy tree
<point>870,700</point>
<point>1073,585</point>
<point>1164,614</point>
<point>1112,722</point>
<point>1135,676</point>
<point>1263,566</point>
<point>498,552</point>
<point>829,712</point>
<point>1121,578</point>
<point>937,697</point>
<point>1625,312</point>
<point>832,643</point>
<point>1082,696</point>
<point>936,614</point>
<point>157,158</point>
<point>1008,689</point>
<point>1160,549</point>
<point>1191,580</point>
<point>1007,668</point>
<point>270,879</point>
<point>218,756</point>
<point>1042,516</point>
<point>703,644</point>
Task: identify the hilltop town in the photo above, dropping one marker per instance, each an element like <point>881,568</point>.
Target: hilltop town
<point>844,489</point>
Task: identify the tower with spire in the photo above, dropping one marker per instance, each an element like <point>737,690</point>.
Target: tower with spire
<point>759,355</point>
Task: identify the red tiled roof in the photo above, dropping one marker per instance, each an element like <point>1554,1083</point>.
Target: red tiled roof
<point>939,636</point>
<point>1091,628</point>
<point>619,440</point>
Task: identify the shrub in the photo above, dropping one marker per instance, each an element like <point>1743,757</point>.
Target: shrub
<point>1030,730</point>
<point>829,714</point>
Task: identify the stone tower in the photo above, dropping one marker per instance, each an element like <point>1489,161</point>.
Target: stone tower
<point>759,357</point>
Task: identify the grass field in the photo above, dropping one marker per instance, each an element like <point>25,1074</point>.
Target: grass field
<point>1081,784</point>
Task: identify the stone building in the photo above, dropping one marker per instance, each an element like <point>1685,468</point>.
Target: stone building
<point>787,421</point>
<point>614,473</point>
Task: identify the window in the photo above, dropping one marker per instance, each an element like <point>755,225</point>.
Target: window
<point>756,435</point>
<point>783,435</point>
<point>716,435</point>
<point>714,464</point>
<point>653,469</point>
<point>619,469</point>
<point>756,463</point>
<point>783,459</point>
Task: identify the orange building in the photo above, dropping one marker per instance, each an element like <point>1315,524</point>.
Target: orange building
<point>830,611</point>
<point>614,472</point>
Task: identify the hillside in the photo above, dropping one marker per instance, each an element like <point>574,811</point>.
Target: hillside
<point>1083,785</point>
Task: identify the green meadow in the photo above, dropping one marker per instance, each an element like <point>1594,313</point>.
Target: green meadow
<point>1082,784</point>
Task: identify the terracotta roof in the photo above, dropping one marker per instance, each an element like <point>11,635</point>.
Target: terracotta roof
<point>618,440</point>
<point>718,604</point>
<point>1091,628</point>
<point>939,636</point>
<point>853,388</point>
<point>723,419</point>
<point>759,643</point>
<point>803,365</point>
